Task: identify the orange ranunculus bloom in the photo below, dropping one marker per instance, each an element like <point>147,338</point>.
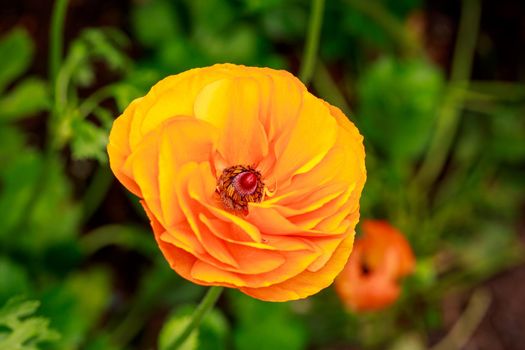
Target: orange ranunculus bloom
<point>370,279</point>
<point>249,180</point>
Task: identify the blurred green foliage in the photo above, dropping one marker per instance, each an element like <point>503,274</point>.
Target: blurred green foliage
<point>399,93</point>
<point>462,225</point>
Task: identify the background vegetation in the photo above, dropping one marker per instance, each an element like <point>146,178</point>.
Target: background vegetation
<point>436,87</point>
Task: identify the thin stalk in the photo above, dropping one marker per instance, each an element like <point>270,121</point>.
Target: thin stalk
<point>468,322</point>
<point>56,39</point>
<point>128,327</point>
<point>326,87</point>
<point>312,41</point>
<point>206,304</point>
<point>56,47</point>
<point>392,26</point>
<point>55,54</point>
<point>96,191</point>
<point>448,117</point>
<point>501,90</point>
<point>92,102</point>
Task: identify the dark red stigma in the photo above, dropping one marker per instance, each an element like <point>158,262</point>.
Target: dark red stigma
<point>246,183</point>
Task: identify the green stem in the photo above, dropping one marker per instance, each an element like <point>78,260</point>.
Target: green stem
<point>56,40</point>
<point>390,24</point>
<point>305,74</point>
<point>56,45</point>
<point>126,236</point>
<point>448,117</point>
<point>327,88</point>
<point>96,191</point>
<point>206,304</point>
<point>92,102</point>
<point>501,90</point>
<point>312,41</point>
<point>158,281</point>
<point>468,322</point>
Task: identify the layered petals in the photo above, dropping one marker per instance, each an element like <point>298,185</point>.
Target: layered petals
<point>380,258</point>
<point>171,147</point>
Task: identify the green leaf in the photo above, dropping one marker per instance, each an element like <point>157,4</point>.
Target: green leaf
<point>16,53</point>
<point>76,304</point>
<point>95,44</point>
<point>286,22</point>
<point>261,5</point>
<point>21,330</point>
<point>102,46</point>
<point>425,274</point>
<point>153,33</point>
<point>38,206</point>
<point>222,12</point>
<point>269,325</point>
<point>124,94</point>
<point>398,105</point>
<point>18,185</point>
<point>130,237</point>
<point>211,334</point>
<point>12,142</point>
<point>14,280</point>
<point>89,141</point>
<point>101,341</point>
<point>237,45</point>
<point>174,326</point>
<point>27,98</point>
<point>492,248</point>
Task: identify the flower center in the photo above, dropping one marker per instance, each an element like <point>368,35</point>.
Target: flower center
<point>245,183</point>
<point>239,185</point>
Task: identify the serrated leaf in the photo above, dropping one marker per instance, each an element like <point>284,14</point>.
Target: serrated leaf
<point>16,53</point>
<point>24,331</point>
<point>27,98</point>
<point>89,141</point>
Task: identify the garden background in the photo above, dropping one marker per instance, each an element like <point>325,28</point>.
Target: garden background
<point>436,87</point>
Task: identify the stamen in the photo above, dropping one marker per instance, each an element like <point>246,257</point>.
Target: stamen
<point>239,185</point>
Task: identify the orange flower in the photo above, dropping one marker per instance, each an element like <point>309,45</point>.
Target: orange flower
<point>380,258</point>
<point>249,181</point>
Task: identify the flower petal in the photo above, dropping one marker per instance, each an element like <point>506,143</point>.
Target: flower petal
<point>232,105</point>
<point>307,282</point>
<point>310,140</point>
<point>119,148</point>
<point>181,140</point>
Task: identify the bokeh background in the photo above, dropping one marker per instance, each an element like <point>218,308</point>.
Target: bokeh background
<point>436,87</point>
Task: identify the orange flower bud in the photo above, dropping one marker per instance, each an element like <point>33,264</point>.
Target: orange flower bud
<point>249,180</point>
<point>380,257</point>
